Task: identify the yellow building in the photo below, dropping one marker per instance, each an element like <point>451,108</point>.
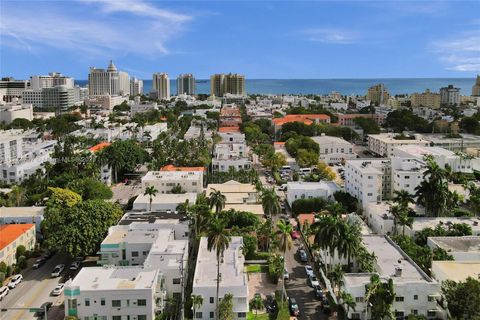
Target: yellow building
<point>426,99</point>
<point>476,88</point>
<point>11,237</point>
<point>378,94</point>
<point>232,83</point>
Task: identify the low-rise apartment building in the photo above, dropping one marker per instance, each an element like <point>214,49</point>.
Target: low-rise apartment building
<point>310,190</point>
<point>334,149</point>
<point>420,223</point>
<point>233,279</point>
<point>115,293</point>
<point>163,202</point>
<point>415,292</point>
<point>348,119</point>
<point>383,144</point>
<point>368,180</point>
<point>466,248</point>
<point>15,110</point>
<point>23,215</point>
<point>307,119</point>
<point>188,179</point>
<point>11,237</point>
<point>407,174</point>
<point>231,152</point>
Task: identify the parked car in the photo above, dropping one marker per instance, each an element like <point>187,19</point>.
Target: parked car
<point>58,289</point>
<point>309,270</point>
<point>15,281</point>
<point>45,305</point>
<point>293,306</point>
<point>58,270</point>
<point>39,262</point>
<point>313,281</point>
<point>75,265</point>
<point>270,304</point>
<point>3,292</point>
<point>286,276</point>
<point>318,292</point>
<point>302,255</point>
<point>49,254</point>
<point>295,234</point>
<point>326,305</point>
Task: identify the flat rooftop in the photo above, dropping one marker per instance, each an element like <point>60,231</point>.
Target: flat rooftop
<point>172,175</point>
<point>115,278</point>
<point>301,185</point>
<point>254,208</point>
<point>421,151</point>
<point>367,165</point>
<point>457,270</point>
<point>329,140</point>
<point>231,187</point>
<point>389,257</point>
<point>151,217</point>
<point>390,138</point>
<point>167,198</point>
<point>420,223</point>
<point>21,211</point>
<point>232,268</point>
<point>469,244</point>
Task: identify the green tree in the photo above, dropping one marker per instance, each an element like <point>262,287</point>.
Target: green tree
<point>90,189</point>
<point>217,200</point>
<point>151,192</point>
<point>123,157</point>
<point>463,298</point>
<point>270,202</point>
<point>225,309</point>
<point>381,297</point>
<point>284,240</point>
<point>274,160</point>
<point>218,239</point>
<point>347,301</point>
<point>256,304</point>
<point>306,158</point>
<point>197,302</point>
<point>21,251</point>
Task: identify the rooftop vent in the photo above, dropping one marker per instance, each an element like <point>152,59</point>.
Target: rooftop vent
<point>398,272</point>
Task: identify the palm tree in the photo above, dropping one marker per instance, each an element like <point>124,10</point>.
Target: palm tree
<point>270,203</point>
<point>403,198</point>
<point>348,241</point>
<point>150,192</point>
<point>217,200</point>
<point>284,235</point>
<point>256,304</point>
<point>347,302</point>
<point>327,233</point>
<point>218,239</point>
<point>432,192</point>
<point>336,277</point>
<point>197,301</point>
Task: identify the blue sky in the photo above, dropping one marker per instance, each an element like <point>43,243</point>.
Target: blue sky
<point>261,39</point>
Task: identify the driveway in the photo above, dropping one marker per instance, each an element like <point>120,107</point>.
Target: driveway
<point>34,290</point>
<point>259,283</point>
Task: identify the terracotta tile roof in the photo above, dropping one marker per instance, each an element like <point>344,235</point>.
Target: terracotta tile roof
<point>99,146</point>
<point>10,232</point>
<point>279,143</point>
<point>229,129</point>
<point>305,118</point>
<point>170,167</point>
<point>302,217</point>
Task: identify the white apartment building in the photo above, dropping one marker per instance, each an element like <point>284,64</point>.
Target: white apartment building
<point>309,190</point>
<point>466,248</point>
<point>11,145</point>
<point>442,157</point>
<point>368,180</point>
<point>23,215</point>
<point>233,279</point>
<point>108,81</point>
<point>164,181</point>
<point>58,99</point>
<point>136,86</point>
<point>104,102</point>
<point>420,223</point>
<point>161,245</point>
<point>11,88</point>
<point>334,149</point>
<point>15,110</point>
<point>186,84</point>
<point>407,174</point>
<point>450,95</point>
<point>415,292</point>
<point>115,293</point>
<point>195,131</point>
<point>80,94</point>
<point>161,86</point>
<point>231,152</point>
<point>54,79</point>
<point>163,202</point>
<point>383,144</point>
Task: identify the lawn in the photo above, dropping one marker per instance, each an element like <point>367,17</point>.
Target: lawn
<point>261,316</point>
<point>256,268</point>
<point>283,313</point>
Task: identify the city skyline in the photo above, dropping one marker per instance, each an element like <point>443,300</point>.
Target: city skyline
<point>299,40</point>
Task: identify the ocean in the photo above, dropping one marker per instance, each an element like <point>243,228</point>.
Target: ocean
<point>325,86</point>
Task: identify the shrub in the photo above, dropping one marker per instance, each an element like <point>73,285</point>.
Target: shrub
<point>8,271</point>
<point>22,262</point>
<point>3,267</point>
<point>17,269</point>
<point>308,205</point>
<point>21,250</point>
<point>2,277</point>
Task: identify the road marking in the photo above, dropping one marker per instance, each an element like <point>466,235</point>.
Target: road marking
<point>34,296</point>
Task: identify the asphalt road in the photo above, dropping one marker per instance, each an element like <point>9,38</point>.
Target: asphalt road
<point>122,193</point>
<point>34,290</point>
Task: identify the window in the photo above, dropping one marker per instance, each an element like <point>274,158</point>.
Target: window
<point>369,194</point>
<point>102,301</point>
<point>414,311</point>
<point>116,303</point>
<point>430,298</point>
<point>242,315</point>
<point>212,299</point>
<point>176,281</point>
<point>134,253</point>
<point>399,314</point>
<point>142,302</point>
<point>142,317</point>
<point>399,299</point>
<point>87,302</point>
<point>212,315</point>
<point>117,318</point>
<point>359,299</point>
<point>198,315</point>
<point>431,314</point>
<point>415,297</point>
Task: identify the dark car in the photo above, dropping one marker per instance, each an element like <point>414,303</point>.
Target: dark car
<point>293,306</point>
<point>318,293</point>
<point>326,305</point>
<point>302,255</point>
<point>39,262</point>
<point>270,304</point>
<point>45,305</point>
<point>49,254</point>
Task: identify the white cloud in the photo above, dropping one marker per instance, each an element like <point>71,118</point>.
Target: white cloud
<point>459,53</point>
<point>147,30</point>
<point>329,35</point>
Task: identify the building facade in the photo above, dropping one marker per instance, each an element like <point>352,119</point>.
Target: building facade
<point>232,83</point>
<point>378,94</point>
<point>426,99</point>
<point>54,79</point>
<point>384,144</point>
<point>476,87</point>
<point>13,236</point>
<point>15,110</point>
<point>186,84</point>
<point>136,86</point>
<point>11,88</point>
<point>108,81</point>
<point>334,149</point>
<point>165,181</point>
<point>450,95</point>
<point>161,86</point>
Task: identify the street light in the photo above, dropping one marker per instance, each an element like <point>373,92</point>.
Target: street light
<point>44,309</point>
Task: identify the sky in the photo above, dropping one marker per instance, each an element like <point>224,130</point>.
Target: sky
<point>261,39</point>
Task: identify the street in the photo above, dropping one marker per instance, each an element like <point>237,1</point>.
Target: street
<point>34,290</point>
<point>122,192</point>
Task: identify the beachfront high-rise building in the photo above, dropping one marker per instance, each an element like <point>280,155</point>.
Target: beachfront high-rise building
<point>186,84</point>
<point>426,99</point>
<point>161,86</point>
<point>232,83</point>
<point>54,79</point>
<point>449,95</point>
<point>476,87</point>
<point>108,82</point>
<point>136,86</point>
<point>11,88</point>
<point>378,94</point>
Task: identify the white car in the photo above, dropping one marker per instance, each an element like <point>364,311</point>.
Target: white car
<point>58,270</point>
<point>309,271</point>
<point>286,275</point>
<point>75,265</point>
<point>313,281</point>
<point>15,281</point>
<point>3,292</point>
<point>58,289</point>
